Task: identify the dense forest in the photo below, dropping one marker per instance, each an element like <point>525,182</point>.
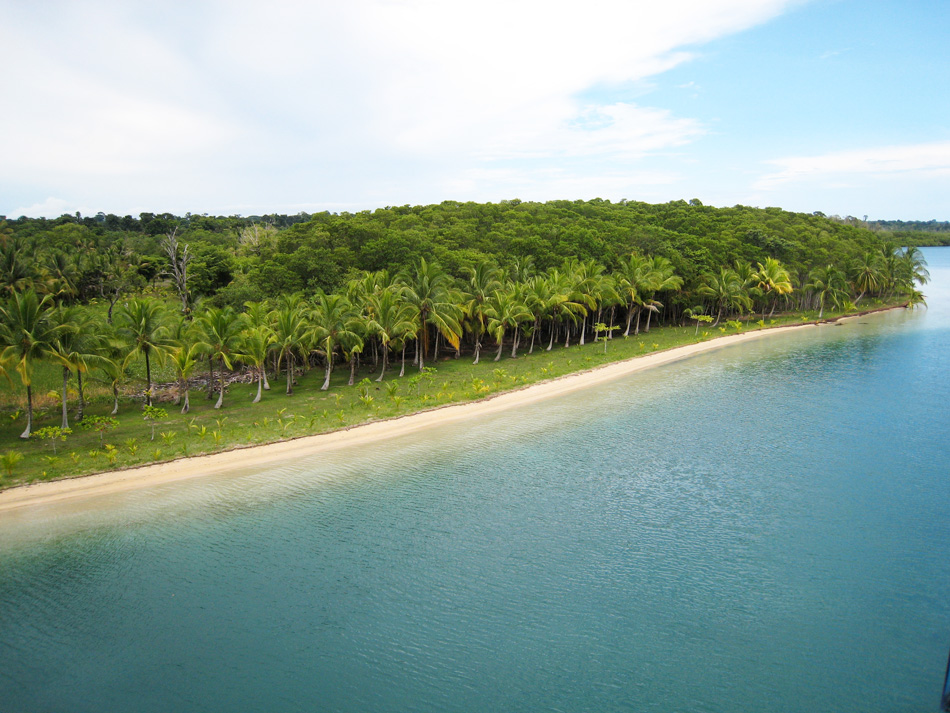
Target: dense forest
<point>273,293</point>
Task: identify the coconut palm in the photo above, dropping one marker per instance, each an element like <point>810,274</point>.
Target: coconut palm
<point>220,338</point>
<point>331,322</point>
<point>290,329</point>
<point>144,327</point>
<point>77,347</point>
<point>427,288</point>
<point>827,283</point>
<point>185,359</point>
<point>506,310</point>
<point>27,334</point>
<point>483,281</point>
<point>631,283</point>
<point>726,291</point>
<point>772,279</point>
<point>391,320</point>
<point>660,277</point>
<point>540,298</point>
<point>255,347</point>
<point>866,274</point>
<point>258,316</point>
<point>564,307</point>
<point>913,267</point>
<point>17,272</point>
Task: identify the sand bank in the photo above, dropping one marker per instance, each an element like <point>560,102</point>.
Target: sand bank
<point>263,455</point>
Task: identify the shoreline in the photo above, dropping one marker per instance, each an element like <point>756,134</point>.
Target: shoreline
<point>145,476</point>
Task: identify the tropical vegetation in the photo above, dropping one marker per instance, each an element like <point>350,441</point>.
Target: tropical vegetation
<point>114,315</point>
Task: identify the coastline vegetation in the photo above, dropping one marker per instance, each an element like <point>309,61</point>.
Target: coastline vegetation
<point>127,341</point>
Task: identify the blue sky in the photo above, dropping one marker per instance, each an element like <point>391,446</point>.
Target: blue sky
<point>239,107</point>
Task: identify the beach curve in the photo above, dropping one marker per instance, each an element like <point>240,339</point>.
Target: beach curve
<point>99,484</point>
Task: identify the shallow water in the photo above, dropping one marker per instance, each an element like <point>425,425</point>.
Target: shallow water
<point>760,528</point>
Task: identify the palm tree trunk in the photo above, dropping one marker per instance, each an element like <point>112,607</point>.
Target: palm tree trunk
<point>80,412</point>
<point>264,374</point>
<point>583,328</point>
<point>148,380</point>
<point>29,412</point>
<point>210,376</point>
<point>352,369</point>
<point>501,342</point>
<point>478,349</point>
<point>385,362</point>
<point>402,369</point>
<point>220,389</point>
<point>326,378</point>
<point>65,383</point>
<point>637,329</point>
<point>553,330</point>
<point>514,345</point>
<point>115,399</point>
<point>649,315</point>
<point>290,374</point>
<point>567,335</point>
<point>260,387</point>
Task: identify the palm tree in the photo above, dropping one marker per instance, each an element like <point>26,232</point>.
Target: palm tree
<point>220,339</point>
<point>505,311</point>
<point>391,319</point>
<point>69,347</point>
<point>258,316</point>
<point>563,305</point>
<point>331,322</point>
<point>726,291</point>
<point>143,325</point>
<point>482,283</point>
<point>828,283</point>
<point>427,289</point>
<point>256,346</point>
<point>586,277</point>
<point>866,274</point>
<point>632,280</point>
<point>772,278</point>
<point>17,272</point>
<point>914,267</point>
<point>540,298</point>
<point>27,334</point>
<point>185,359</point>
<point>290,329</point>
<point>660,278</point>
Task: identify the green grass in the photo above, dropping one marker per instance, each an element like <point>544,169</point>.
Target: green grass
<point>309,410</point>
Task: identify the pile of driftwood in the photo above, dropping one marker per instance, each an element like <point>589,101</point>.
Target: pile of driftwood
<point>197,384</point>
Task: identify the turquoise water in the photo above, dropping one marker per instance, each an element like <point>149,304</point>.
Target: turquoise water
<point>760,528</point>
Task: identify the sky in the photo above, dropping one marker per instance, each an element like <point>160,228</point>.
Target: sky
<point>237,107</point>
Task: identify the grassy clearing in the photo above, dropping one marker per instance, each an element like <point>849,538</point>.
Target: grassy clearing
<point>308,411</point>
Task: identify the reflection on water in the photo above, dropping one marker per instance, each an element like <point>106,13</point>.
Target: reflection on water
<point>758,528</point>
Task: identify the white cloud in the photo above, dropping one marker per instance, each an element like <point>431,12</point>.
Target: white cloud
<point>198,105</point>
<point>845,168</point>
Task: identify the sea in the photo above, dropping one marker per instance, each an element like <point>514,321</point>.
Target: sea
<point>765,527</point>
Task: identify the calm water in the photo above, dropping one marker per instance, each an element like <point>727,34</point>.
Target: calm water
<point>762,528</point>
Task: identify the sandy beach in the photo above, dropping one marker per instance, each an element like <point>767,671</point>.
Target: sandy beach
<point>186,468</point>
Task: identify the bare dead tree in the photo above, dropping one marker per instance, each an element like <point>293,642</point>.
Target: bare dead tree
<point>179,266</point>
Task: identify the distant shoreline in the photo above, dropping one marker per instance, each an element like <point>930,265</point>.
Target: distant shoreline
<point>89,486</point>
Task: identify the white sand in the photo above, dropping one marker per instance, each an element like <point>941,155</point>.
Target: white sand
<point>186,468</point>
